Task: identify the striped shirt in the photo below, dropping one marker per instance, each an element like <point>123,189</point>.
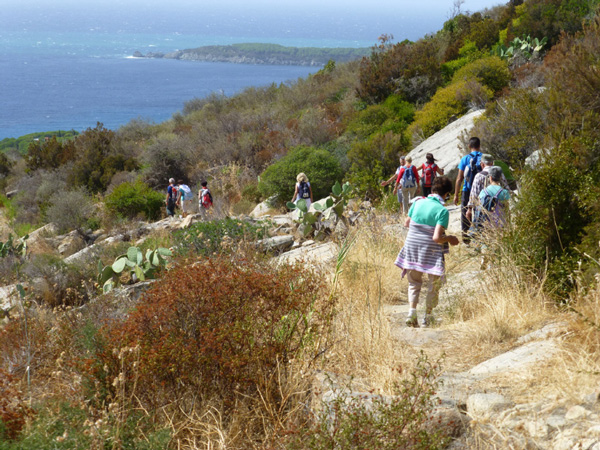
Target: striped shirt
<point>420,252</point>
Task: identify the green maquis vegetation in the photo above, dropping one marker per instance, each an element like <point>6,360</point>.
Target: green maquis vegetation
<point>22,143</point>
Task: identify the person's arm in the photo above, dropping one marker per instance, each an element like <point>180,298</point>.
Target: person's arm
<point>439,170</point>
<point>295,194</point>
<point>407,222</point>
<point>439,236</point>
<point>416,173</point>
<point>459,180</point>
<point>386,182</point>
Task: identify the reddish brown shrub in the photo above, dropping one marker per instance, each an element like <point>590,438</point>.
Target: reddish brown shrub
<point>217,329</point>
<point>13,409</point>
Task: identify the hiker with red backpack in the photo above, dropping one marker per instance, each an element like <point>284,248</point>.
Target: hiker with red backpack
<point>205,200</point>
<point>468,167</point>
<point>408,183</point>
<point>429,170</point>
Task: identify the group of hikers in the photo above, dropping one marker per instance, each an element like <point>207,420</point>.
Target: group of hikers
<point>483,192</point>
<point>179,195</point>
<point>481,189</point>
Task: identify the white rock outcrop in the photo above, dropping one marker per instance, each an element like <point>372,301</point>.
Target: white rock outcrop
<point>446,145</point>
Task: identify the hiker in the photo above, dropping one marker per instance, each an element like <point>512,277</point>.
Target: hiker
<point>468,167</point>
<point>494,200</point>
<point>408,183</point>
<point>303,190</point>
<point>394,177</point>
<point>429,169</point>
<point>205,200</point>
<point>184,197</point>
<point>480,181</point>
<point>424,248</point>
<point>171,199</point>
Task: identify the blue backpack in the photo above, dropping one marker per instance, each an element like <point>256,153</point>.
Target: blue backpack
<point>474,167</point>
<point>304,190</point>
<point>408,178</point>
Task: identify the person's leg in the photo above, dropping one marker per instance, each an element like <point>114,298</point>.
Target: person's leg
<point>400,196</point>
<point>413,194</point>
<point>405,199</point>
<point>434,283</point>
<point>465,223</point>
<point>415,281</point>
<point>426,191</point>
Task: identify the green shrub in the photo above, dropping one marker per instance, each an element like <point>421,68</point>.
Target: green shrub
<point>70,210</point>
<point>375,160</point>
<point>219,236</point>
<point>129,200</point>
<point>392,115</point>
<point>491,72</point>
<point>321,168</point>
<point>450,102</point>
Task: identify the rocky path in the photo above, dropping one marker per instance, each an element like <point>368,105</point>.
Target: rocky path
<point>480,396</point>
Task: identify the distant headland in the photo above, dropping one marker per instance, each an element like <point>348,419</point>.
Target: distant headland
<point>263,54</point>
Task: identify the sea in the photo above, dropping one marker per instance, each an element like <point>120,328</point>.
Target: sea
<point>68,64</point>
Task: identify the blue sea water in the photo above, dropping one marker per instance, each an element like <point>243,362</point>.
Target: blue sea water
<point>67,64</point>
<point>73,82</point>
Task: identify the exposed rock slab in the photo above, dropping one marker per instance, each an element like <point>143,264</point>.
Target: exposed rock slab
<point>517,359</point>
<point>277,244</point>
<point>317,255</point>
<point>484,405</point>
<point>446,144</point>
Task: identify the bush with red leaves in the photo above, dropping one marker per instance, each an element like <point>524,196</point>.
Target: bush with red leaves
<point>218,329</point>
<point>13,409</point>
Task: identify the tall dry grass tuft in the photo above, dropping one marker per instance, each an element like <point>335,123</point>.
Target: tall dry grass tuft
<point>494,301</point>
<point>368,282</point>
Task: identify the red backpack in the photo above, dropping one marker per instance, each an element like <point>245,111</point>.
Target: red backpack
<point>429,171</point>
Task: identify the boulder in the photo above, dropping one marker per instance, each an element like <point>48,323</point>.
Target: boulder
<point>8,296</point>
<point>89,254</point>
<point>446,144</point>
<point>317,255</point>
<point>283,220</point>
<point>277,244</point>
<point>48,230</point>
<point>71,243</point>
<point>262,209</point>
<point>484,405</point>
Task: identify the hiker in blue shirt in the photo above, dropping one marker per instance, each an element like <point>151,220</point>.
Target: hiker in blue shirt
<point>468,167</point>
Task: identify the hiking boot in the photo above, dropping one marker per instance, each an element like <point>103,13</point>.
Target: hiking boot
<point>412,321</point>
<point>428,321</point>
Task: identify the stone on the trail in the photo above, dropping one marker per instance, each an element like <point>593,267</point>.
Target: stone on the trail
<point>446,144</point>
<point>517,359</point>
<point>483,405</point>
